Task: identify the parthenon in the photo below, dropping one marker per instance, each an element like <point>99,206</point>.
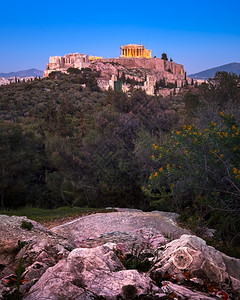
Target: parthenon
<point>133,50</point>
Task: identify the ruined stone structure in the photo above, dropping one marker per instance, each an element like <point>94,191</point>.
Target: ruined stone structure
<point>62,63</point>
<point>135,63</point>
<point>133,50</point>
<point>92,57</point>
<point>149,84</point>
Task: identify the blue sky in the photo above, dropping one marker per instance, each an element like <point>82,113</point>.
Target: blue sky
<point>197,34</point>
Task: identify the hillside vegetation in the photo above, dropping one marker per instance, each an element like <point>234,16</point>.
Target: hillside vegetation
<point>65,144</point>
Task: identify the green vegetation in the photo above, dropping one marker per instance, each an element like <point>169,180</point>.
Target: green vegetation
<point>164,56</point>
<point>65,143</point>
<point>138,258</point>
<point>62,144</point>
<point>47,215</point>
<point>198,170</point>
<point>27,225</point>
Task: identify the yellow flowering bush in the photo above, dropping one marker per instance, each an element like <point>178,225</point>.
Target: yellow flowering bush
<point>199,171</point>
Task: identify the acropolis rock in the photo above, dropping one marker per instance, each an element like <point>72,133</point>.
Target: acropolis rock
<point>135,62</point>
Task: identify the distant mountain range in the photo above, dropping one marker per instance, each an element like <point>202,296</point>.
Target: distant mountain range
<point>23,73</point>
<point>209,73</point>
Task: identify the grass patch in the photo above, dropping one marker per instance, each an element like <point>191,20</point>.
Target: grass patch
<point>42,215</point>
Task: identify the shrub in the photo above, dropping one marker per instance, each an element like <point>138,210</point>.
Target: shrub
<point>26,225</point>
<point>198,172</point>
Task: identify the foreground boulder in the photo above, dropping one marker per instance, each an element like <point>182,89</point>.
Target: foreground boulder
<point>32,251</point>
<point>90,274</point>
<point>190,260</point>
<point>90,258</point>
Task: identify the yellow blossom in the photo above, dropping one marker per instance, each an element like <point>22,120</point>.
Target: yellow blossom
<point>161,169</point>
<point>213,151</point>
<point>155,174</point>
<point>224,134</point>
<point>221,155</point>
<point>235,170</point>
<point>221,114</point>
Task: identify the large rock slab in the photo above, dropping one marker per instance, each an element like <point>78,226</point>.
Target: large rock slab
<point>119,227</point>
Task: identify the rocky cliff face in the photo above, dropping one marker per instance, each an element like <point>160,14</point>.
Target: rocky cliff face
<point>133,68</point>
<point>140,68</point>
<point>95,257</point>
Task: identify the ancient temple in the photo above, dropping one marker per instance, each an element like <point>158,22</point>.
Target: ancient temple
<point>133,50</point>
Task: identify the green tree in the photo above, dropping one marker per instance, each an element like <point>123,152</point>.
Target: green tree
<point>164,56</point>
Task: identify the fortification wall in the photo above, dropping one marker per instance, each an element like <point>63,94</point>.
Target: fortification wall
<point>156,64</point>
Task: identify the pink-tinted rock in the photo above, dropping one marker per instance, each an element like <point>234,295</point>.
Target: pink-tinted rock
<point>189,257</point>
<point>96,270</point>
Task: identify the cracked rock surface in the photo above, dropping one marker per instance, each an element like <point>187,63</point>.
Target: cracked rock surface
<point>83,259</point>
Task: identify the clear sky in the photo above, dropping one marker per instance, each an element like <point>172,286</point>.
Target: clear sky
<point>198,34</point>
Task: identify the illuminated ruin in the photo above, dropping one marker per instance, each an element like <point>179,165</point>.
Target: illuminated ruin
<point>133,50</point>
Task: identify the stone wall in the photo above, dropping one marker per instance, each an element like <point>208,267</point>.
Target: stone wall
<point>155,64</point>
<point>62,63</point>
